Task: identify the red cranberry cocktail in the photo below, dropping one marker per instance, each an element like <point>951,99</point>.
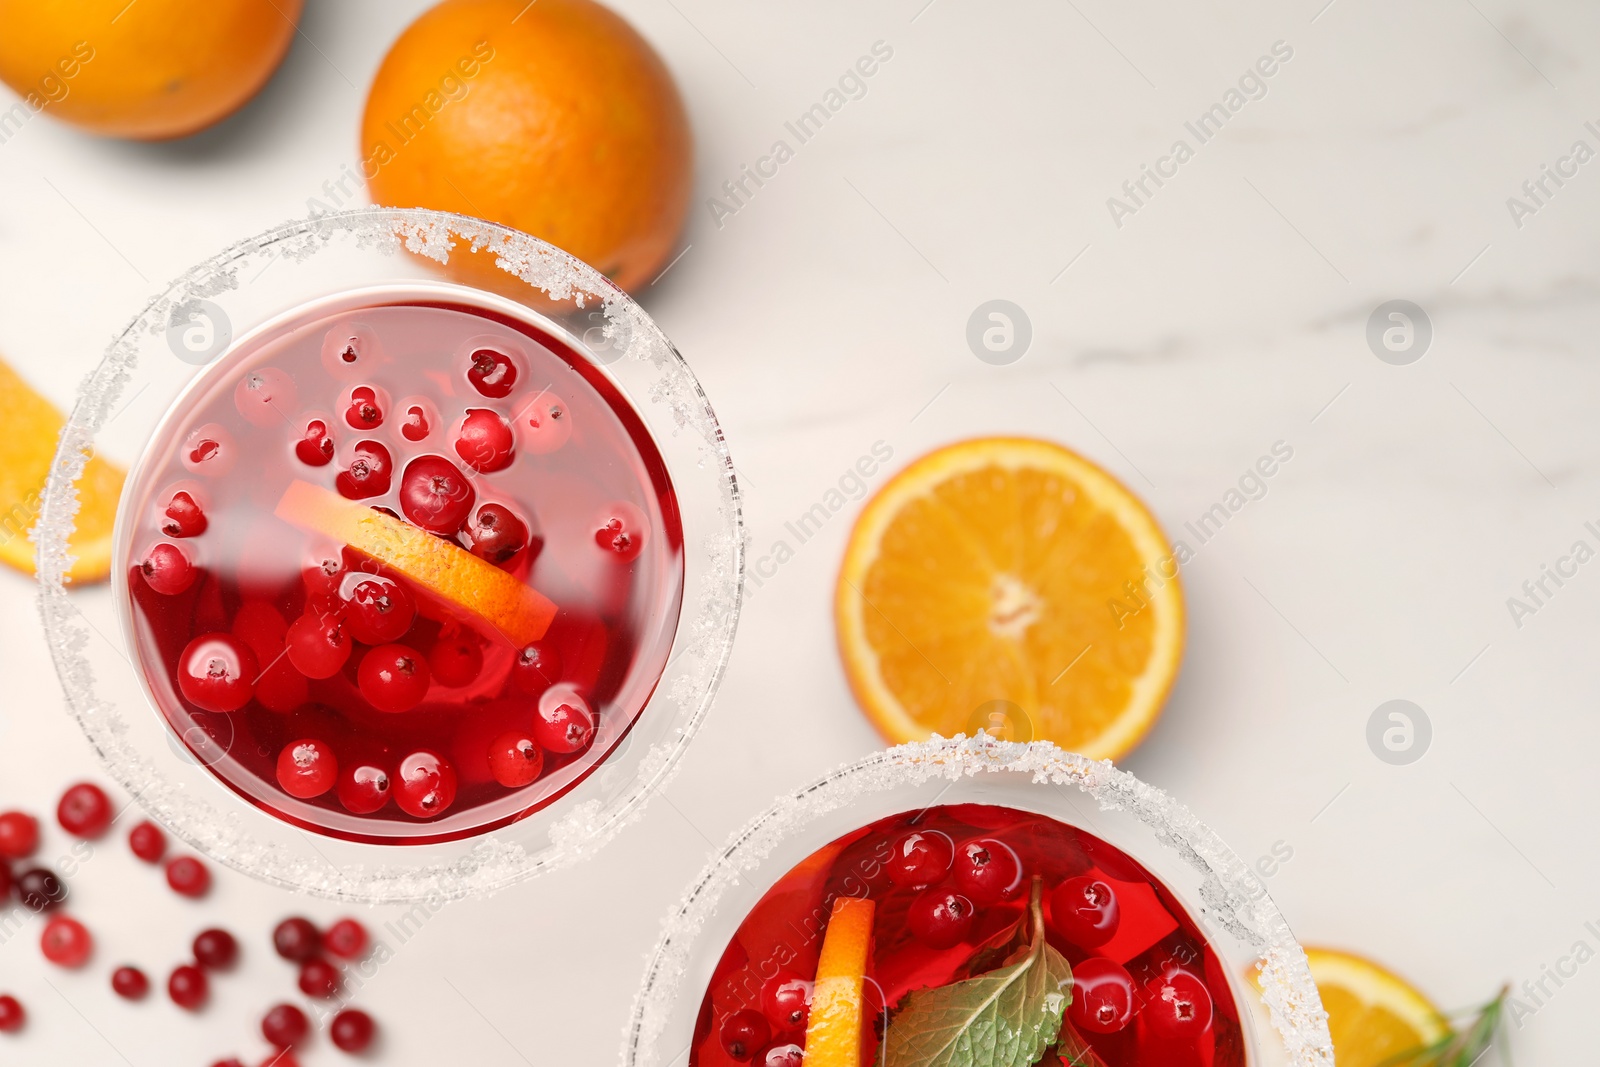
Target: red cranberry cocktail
<point>396,562</point>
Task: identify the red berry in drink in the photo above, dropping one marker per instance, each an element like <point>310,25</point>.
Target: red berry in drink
<point>317,645</point>
<point>415,427</point>
<point>217,672</point>
<point>988,870</point>
<point>1103,1000</point>
<point>209,450</point>
<point>188,987</point>
<point>12,1015</point>
<point>620,531</point>
<point>215,950</point>
<point>352,1030</point>
<point>484,442</point>
<point>1084,910</point>
<point>456,660</point>
<point>319,978</point>
<point>184,517</point>
<point>435,495</point>
<point>368,474</point>
<point>547,424</point>
<point>563,723</point>
<point>148,842</point>
<point>536,668</point>
<point>296,939</point>
<point>307,768</point>
<point>363,788</point>
<point>785,1054</point>
<point>786,1001</point>
<point>515,759</point>
<point>426,786</point>
<point>920,858</point>
<point>19,835</point>
<point>346,939</point>
<point>940,918</point>
<point>492,373</point>
<point>84,810</point>
<point>285,1026</point>
<point>743,1034</point>
<point>166,569</point>
<point>66,942</point>
<point>129,983</point>
<point>364,412</point>
<point>393,678</point>
<point>315,447</point>
<point>188,877</point>
<point>40,889</point>
<point>377,609</point>
<point>1177,1008</point>
<point>496,533</point>
<point>265,396</point>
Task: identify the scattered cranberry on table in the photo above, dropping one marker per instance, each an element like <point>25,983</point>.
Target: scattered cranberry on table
<point>19,835</point>
<point>129,983</point>
<point>188,876</point>
<point>148,842</point>
<point>40,889</point>
<point>296,939</point>
<point>352,1030</point>
<point>7,880</point>
<point>66,942</point>
<point>215,950</point>
<point>319,978</point>
<point>188,987</point>
<point>346,939</point>
<point>11,1014</point>
<point>231,1061</point>
<point>285,1026</point>
<point>84,811</point>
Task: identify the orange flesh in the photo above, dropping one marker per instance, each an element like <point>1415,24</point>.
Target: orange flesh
<point>833,1034</point>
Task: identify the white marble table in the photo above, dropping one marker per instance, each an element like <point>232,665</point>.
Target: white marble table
<point>1180,331</point>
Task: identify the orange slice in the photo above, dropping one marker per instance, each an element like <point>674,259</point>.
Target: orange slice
<point>1372,1013</point>
<point>1009,584</point>
<point>448,573</point>
<point>833,1034</point>
<point>32,427</point>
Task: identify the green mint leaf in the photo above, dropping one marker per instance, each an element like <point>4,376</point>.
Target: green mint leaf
<point>1006,1017</point>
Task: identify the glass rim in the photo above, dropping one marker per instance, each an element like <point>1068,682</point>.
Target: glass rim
<point>547,271</point>
<point>1236,897</point>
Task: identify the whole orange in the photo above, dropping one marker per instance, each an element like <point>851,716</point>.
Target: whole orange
<point>553,117</point>
<point>148,70</point>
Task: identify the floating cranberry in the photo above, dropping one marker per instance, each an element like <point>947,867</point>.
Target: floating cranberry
<point>307,768</point>
<point>188,877</point>
<point>346,939</point>
<point>148,842</point>
<point>784,1054</point>
<point>166,569</point>
<point>621,531</point>
<point>786,1001</point>
<point>129,983</point>
<point>1084,910</point>
<point>416,427</point>
<point>215,949</point>
<point>920,858</point>
<point>563,723</point>
<point>456,660</point>
<point>1103,1000</point>
<point>536,668</point>
<point>296,939</point>
<point>427,785</point>
<point>184,518</point>
<point>368,474</point>
<point>66,942</point>
<point>285,1026</point>
<point>188,987</point>
<point>319,978</point>
<point>40,889</point>
<point>378,609</point>
<point>315,447</point>
<point>19,835</point>
<point>988,870</point>
<point>515,759</point>
<point>940,918</point>
<point>393,678</point>
<point>217,672</point>
<point>12,1015</point>
<point>265,396</point>
<point>496,533</point>
<point>548,424</point>
<point>317,645</point>
<point>364,412</point>
<point>84,810</point>
<point>352,1030</point>
<point>208,450</point>
<point>435,495</point>
<point>492,373</point>
<point>363,788</point>
<point>743,1034</point>
<point>484,442</point>
<point>1177,1007</point>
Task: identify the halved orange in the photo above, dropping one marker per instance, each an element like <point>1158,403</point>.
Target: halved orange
<point>1372,1013</point>
<point>833,1032</point>
<point>1009,584</point>
<point>28,447</point>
